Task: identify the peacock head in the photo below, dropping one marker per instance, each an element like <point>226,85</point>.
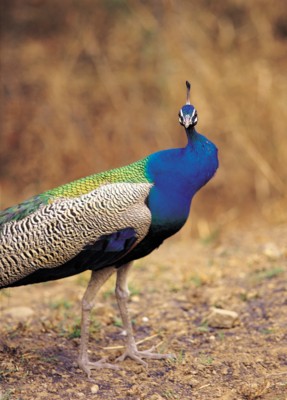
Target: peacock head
<point>187,114</point>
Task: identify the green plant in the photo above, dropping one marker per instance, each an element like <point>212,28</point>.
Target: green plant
<point>6,395</point>
<point>203,327</point>
<point>75,332</point>
<point>205,359</point>
<point>180,357</point>
<point>118,322</point>
<point>170,394</point>
<point>269,273</point>
<point>221,335</point>
<point>266,331</point>
<point>62,303</point>
<point>196,280</point>
<point>108,293</point>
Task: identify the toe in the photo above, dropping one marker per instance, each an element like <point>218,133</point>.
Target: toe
<point>133,355</point>
<point>87,366</point>
<point>102,364</point>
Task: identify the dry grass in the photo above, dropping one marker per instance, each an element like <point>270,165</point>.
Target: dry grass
<point>92,85</point>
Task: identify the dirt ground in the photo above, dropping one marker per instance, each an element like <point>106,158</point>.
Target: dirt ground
<point>172,293</point>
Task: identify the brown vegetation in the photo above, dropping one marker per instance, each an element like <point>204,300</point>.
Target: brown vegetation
<point>91,85</point>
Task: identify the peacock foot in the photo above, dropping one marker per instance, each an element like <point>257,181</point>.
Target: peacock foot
<point>137,355</point>
<point>87,366</point>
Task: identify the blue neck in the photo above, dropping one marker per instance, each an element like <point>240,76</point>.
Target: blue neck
<point>177,175</point>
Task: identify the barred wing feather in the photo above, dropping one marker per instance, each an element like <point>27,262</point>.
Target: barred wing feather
<point>108,222</point>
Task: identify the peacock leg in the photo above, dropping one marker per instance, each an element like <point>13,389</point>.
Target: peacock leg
<point>98,278</point>
<point>122,294</point>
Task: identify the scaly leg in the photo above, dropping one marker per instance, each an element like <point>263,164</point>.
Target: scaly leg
<point>122,294</point>
<point>98,278</point>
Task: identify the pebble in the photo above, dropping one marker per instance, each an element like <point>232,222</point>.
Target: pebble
<point>95,389</point>
<point>271,251</point>
<point>156,396</point>
<point>220,318</point>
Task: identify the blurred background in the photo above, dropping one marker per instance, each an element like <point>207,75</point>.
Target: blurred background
<point>95,84</point>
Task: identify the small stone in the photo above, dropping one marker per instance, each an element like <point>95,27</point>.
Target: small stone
<point>95,389</point>
<point>219,318</point>
<point>145,319</point>
<point>193,382</point>
<point>156,396</point>
<point>19,313</point>
<point>271,251</point>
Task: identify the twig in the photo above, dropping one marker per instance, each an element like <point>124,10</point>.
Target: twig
<point>204,386</point>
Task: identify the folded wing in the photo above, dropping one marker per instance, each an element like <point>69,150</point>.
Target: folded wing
<point>70,235</point>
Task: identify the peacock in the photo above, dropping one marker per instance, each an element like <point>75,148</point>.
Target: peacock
<point>103,223</point>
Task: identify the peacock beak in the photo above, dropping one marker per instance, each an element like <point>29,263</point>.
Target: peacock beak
<point>187,121</point>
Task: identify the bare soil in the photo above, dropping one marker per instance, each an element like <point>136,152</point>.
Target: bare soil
<point>172,292</point>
